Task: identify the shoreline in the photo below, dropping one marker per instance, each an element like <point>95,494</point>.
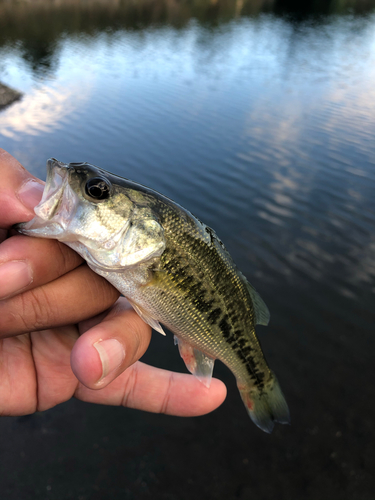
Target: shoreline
<point>8,96</point>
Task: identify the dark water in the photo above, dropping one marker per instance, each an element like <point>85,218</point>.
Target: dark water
<point>259,117</point>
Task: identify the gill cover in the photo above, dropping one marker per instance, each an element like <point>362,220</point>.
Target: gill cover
<point>109,231</point>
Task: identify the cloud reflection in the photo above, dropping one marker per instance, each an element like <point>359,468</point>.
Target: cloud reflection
<point>43,109</point>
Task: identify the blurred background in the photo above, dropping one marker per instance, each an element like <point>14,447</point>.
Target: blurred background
<point>259,117</point>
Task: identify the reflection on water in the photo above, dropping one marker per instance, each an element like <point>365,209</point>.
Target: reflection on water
<point>38,110</point>
<point>36,27</point>
<point>260,118</point>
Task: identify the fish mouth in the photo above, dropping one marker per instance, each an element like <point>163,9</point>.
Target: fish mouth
<point>48,220</point>
<point>57,178</point>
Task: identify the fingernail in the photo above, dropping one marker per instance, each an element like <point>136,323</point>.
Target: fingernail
<point>111,353</point>
<point>30,193</point>
<point>14,276</point>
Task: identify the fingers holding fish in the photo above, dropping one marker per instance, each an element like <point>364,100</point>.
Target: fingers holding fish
<point>20,191</point>
<point>161,391</point>
<point>109,346</point>
<point>106,357</point>
<point>27,263</point>
<point>36,373</point>
<point>147,388</point>
<point>75,296</point>
<point>3,235</point>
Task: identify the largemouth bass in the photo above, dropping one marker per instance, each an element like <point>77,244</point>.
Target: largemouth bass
<point>173,269</point>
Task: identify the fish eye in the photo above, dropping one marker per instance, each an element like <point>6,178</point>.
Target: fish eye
<point>98,188</point>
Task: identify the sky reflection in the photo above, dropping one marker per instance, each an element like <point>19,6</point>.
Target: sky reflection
<point>42,110</point>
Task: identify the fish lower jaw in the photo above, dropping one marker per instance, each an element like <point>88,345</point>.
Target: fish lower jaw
<point>39,228</point>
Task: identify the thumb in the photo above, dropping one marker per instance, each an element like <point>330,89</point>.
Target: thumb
<point>110,345</point>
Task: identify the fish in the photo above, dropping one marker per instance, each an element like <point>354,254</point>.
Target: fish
<point>172,268</point>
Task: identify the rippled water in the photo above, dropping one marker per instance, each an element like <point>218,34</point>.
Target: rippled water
<point>264,127</point>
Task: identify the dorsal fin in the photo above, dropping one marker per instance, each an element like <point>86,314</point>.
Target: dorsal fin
<point>262,314</point>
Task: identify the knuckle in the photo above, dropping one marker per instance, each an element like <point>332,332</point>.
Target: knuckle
<point>99,287</point>
<point>35,310</point>
<point>140,333</point>
<point>128,398</point>
<point>67,258</point>
<point>165,401</point>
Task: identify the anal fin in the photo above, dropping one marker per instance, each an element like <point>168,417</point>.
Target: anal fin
<point>198,363</point>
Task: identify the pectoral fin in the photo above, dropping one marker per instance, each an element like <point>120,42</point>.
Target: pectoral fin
<point>147,318</point>
<point>198,363</point>
<point>142,240</point>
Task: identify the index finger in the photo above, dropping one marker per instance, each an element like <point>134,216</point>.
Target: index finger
<point>20,192</point>
<point>156,390</point>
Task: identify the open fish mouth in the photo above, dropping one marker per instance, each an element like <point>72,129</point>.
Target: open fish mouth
<point>57,178</point>
<point>54,210</point>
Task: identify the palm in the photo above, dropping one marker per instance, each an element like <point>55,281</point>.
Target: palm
<point>35,370</point>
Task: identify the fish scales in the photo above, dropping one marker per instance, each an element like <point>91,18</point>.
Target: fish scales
<point>222,302</point>
<point>173,269</point>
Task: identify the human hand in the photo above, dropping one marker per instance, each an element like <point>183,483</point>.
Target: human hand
<point>63,330</point>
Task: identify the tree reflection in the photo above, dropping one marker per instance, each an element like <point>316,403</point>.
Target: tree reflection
<point>35,27</point>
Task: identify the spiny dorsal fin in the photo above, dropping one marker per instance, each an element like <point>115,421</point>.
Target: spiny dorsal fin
<point>262,314</point>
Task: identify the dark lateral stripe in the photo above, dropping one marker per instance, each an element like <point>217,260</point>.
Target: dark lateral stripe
<point>225,326</point>
<point>214,315</point>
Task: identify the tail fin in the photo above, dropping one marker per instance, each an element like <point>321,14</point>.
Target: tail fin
<point>267,406</point>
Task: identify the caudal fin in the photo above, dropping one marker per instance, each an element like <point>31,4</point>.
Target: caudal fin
<point>267,406</point>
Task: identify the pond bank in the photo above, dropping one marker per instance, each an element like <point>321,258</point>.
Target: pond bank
<point>8,96</point>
